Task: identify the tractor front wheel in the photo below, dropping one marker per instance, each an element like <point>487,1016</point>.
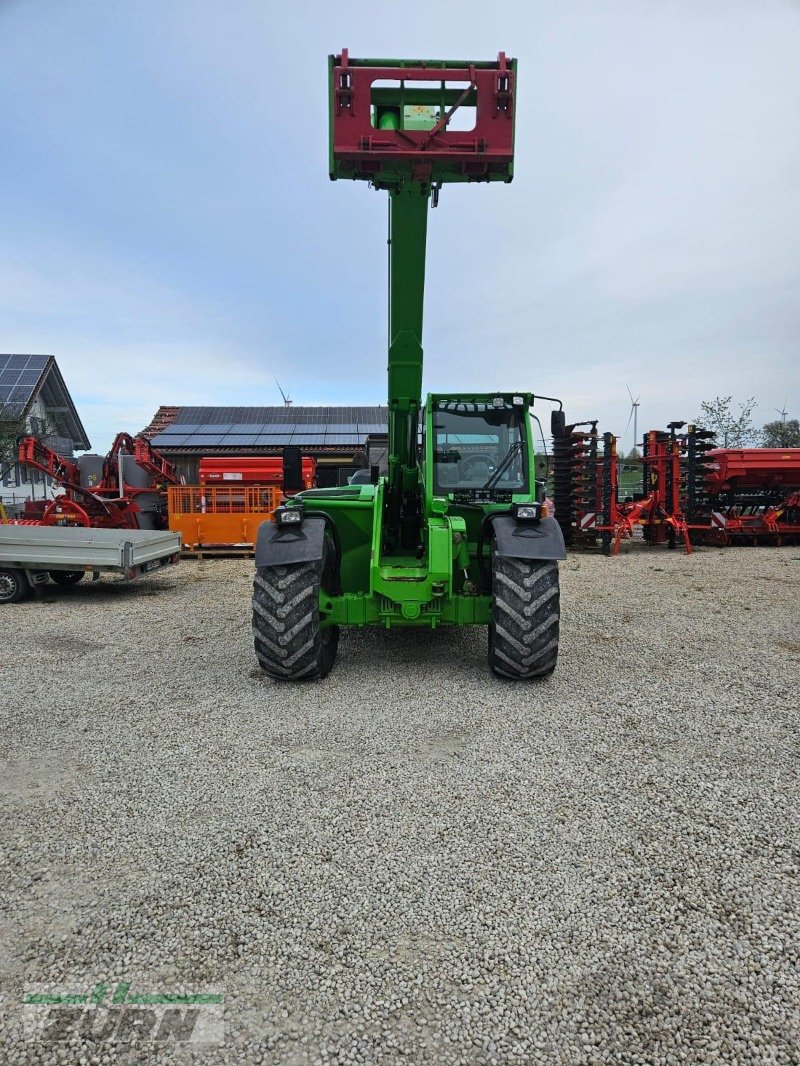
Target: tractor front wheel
<point>523,632</point>
<point>290,642</point>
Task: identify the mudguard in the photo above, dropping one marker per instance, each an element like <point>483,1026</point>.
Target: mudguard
<point>528,540</point>
<point>280,547</point>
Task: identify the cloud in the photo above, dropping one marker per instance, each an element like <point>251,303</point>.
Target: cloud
<point>171,235</point>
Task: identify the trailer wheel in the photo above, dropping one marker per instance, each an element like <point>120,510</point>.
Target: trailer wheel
<point>67,578</point>
<point>13,586</point>
<point>523,633</point>
<point>290,643</point>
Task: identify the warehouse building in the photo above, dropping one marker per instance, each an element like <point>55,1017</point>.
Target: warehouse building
<point>336,437</point>
<point>34,400</point>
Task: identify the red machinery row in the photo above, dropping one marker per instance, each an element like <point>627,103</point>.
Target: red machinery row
<point>130,488</point>
<point>124,490</point>
<point>690,492</point>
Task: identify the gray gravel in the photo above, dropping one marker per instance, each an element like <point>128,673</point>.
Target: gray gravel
<point>411,861</point>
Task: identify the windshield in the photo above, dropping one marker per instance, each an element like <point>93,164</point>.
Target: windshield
<point>480,448</point>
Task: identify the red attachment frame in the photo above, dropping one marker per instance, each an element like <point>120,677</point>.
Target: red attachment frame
<point>104,507</point>
<point>31,452</point>
<point>77,506</point>
<point>660,512</point>
<point>587,490</point>
<point>145,456</point>
<point>361,150</point>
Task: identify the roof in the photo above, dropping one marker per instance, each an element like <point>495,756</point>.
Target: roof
<point>23,378</point>
<point>163,417</point>
<point>237,428</point>
<point>20,377</point>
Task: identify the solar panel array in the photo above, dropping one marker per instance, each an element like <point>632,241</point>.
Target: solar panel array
<point>19,376</point>
<point>272,427</point>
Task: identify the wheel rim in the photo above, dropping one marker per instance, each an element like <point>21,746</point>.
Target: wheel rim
<point>8,586</point>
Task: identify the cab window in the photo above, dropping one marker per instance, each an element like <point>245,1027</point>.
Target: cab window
<point>478,446</point>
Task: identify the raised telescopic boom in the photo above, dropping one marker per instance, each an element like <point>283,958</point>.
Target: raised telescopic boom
<point>409,139</point>
<point>458,532</point>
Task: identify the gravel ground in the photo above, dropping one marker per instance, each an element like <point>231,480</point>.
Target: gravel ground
<point>411,861</point>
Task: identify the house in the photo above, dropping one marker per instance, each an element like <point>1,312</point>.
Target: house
<point>334,436</point>
<point>34,400</point>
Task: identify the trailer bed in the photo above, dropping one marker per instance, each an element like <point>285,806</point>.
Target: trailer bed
<point>31,554</point>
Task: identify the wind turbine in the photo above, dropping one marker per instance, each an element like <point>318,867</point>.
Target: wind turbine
<point>284,395</point>
<point>634,414</point>
<point>782,412</point>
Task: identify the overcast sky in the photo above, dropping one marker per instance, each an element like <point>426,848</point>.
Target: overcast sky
<point>170,234</point>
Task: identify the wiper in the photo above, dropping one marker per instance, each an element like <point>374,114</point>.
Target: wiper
<point>506,463</point>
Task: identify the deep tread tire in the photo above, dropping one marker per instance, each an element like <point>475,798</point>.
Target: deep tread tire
<point>523,633</point>
<point>67,578</point>
<point>289,641</point>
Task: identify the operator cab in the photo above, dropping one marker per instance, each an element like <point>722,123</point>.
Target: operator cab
<point>480,448</point>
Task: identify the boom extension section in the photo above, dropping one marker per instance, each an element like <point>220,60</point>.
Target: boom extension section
<point>400,124</point>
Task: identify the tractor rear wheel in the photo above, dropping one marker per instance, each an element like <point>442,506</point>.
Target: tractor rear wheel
<point>523,633</point>
<point>290,642</point>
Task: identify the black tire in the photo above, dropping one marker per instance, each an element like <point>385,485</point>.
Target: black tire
<point>67,578</point>
<point>523,633</point>
<point>13,586</point>
<point>289,641</point>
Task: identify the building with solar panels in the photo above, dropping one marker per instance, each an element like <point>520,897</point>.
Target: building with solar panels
<point>336,437</point>
<point>34,399</point>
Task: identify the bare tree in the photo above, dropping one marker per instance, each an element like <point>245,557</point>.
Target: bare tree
<point>733,430</point>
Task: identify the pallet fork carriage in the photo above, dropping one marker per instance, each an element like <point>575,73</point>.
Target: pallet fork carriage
<point>456,532</point>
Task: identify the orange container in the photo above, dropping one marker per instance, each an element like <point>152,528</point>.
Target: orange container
<point>220,516</point>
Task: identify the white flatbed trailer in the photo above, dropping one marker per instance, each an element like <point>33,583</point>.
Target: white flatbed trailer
<point>31,555</point>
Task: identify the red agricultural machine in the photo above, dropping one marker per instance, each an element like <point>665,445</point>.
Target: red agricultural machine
<point>751,496</point>
<point>123,490</point>
<point>253,470</point>
<point>688,491</point>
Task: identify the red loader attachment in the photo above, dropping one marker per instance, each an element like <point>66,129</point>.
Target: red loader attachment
<point>431,120</point>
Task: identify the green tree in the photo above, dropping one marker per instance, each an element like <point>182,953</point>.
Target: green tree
<point>780,434</point>
<point>11,428</point>
<point>733,429</point>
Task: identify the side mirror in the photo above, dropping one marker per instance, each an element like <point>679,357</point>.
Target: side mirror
<point>558,424</point>
<point>292,469</point>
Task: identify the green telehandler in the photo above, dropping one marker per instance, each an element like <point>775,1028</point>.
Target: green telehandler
<point>456,531</point>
